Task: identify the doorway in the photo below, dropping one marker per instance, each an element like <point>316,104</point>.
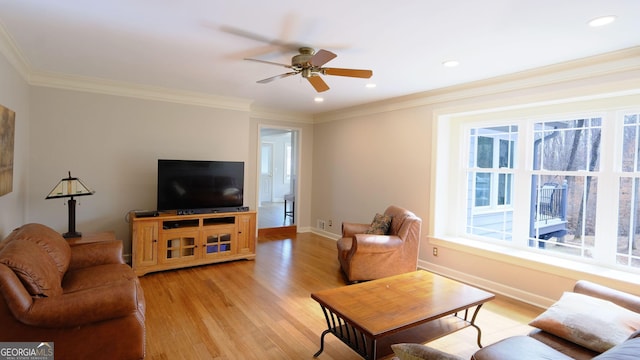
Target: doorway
<point>278,184</point>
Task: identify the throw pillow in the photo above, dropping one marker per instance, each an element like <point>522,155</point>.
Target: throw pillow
<point>594,323</point>
<point>421,352</point>
<point>379,225</point>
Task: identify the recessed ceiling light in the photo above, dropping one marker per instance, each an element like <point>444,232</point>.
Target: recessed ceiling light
<point>451,63</point>
<point>370,85</point>
<point>318,99</point>
<point>603,20</point>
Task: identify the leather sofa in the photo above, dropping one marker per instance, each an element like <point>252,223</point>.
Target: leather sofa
<point>82,298</point>
<point>541,344</point>
<point>368,256</point>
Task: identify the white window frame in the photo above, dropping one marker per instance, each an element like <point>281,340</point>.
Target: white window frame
<point>450,199</point>
<point>494,172</point>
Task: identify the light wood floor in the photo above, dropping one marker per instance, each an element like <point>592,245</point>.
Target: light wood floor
<point>262,309</point>
<point>271,215</point>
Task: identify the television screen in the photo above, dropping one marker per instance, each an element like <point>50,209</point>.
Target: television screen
<point>199,185</point>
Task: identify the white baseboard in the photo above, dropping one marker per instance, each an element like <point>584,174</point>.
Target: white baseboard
<point>517,294</point>
<point>325,233</point>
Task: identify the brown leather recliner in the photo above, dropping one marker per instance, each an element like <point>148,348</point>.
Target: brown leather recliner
<point>83,298</point>
<point>367,256</point>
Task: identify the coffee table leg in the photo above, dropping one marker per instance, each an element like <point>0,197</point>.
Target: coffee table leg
<point>473,323</point>
<point>321,343</point>
<point>350,335</point>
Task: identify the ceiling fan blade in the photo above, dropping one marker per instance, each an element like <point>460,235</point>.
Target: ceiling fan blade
<point>317,83</point>
<point>269,62</point>
<point>322,57</point>
<point>268,80</point>
<point>253,36</point>
<point>365,74</point>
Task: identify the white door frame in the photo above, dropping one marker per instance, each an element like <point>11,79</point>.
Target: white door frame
<point>295,148</point>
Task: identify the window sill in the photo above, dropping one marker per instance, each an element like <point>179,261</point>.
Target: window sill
<point>536,261</point>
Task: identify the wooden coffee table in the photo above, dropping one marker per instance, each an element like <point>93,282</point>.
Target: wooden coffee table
<point>415,307</point>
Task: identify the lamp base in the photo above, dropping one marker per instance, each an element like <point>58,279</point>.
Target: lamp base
<point>74,234</point>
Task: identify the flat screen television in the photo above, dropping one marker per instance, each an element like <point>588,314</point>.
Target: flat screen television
<point>198,186</point>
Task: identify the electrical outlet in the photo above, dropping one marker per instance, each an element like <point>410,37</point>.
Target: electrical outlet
<point>435,251</point>
<point>320,224</point>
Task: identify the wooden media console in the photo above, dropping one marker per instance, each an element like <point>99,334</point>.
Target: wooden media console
<point>171,241</point>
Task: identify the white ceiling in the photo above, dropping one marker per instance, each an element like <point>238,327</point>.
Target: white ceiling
<point>199,46</point>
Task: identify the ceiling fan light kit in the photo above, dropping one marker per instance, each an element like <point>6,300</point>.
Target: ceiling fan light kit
<point>308,63</point>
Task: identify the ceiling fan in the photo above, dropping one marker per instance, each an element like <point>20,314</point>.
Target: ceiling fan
<point>309,64</point>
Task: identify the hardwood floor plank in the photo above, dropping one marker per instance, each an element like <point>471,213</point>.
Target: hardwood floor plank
<point>262,309</point>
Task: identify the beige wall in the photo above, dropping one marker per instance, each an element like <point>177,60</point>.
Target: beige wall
<point>113,143</point>
<point>364,164</point>
<point>368,157</point>
<point>14,94</point>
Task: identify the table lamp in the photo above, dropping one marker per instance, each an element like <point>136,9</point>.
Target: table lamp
<point>70,187</point>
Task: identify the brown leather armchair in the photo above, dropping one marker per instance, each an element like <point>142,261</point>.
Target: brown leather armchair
<point>83,298</point>
<point>365,256</point>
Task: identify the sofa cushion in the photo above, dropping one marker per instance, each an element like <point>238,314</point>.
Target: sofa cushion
<point>95,276</point>
<point>566,347</point>
<point>379,225</point>
<point>33,266</point>
<point>588,321</point>
<point>628,350</point>
<point>518,348</point>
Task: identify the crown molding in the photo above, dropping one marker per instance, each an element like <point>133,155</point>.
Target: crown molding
<point>115,88</point>
<point>13,55</point>
<point>622,61</point>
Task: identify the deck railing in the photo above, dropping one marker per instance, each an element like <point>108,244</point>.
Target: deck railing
<point>549,211</point>
<point>551,203</point>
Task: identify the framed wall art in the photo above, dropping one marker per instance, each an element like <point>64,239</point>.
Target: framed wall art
<point>7,132</point>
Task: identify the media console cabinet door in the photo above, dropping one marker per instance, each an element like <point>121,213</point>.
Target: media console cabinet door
<point>219,241</point>
<point>145,243</point>
<point>246,233</point>
<point>179,246</point>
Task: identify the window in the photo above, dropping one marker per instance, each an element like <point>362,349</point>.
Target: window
<point>490,180</point>
<point>562,185</point>
<point>564,180</point>
<point>627,252</point>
